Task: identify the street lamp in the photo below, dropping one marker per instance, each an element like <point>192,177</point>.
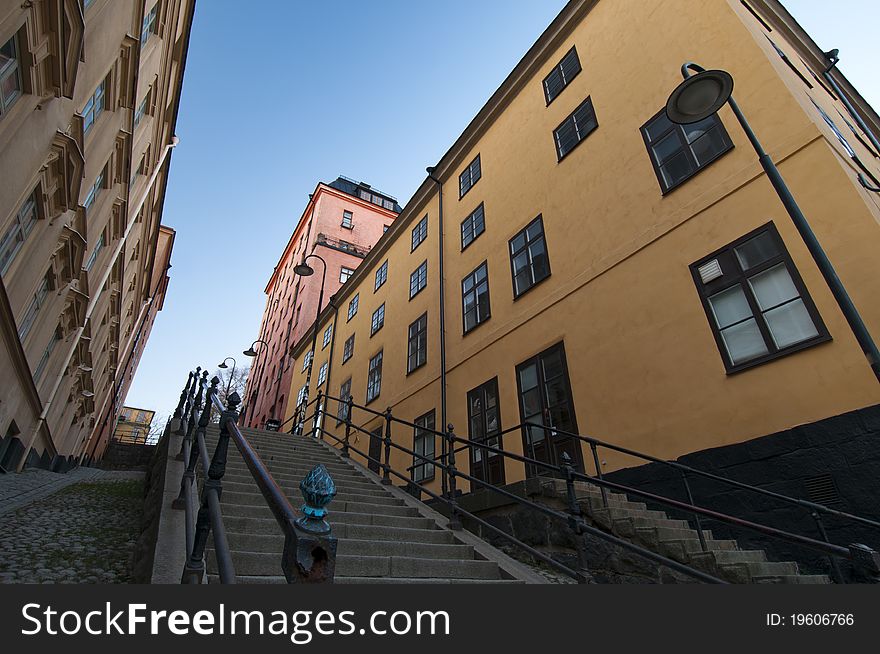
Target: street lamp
<point>223,365</point>
<point>250,352</point>
<point>303,269</point>
<point>701,95</point>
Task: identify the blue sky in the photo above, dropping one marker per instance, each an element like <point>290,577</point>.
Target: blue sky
<point>294,92</point>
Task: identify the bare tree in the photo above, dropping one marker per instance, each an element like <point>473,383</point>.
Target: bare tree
<point>231,381</point>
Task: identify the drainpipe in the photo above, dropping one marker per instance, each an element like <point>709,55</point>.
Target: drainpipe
<point>94,300</point>
<point>833,58</point>
<point>444,483</point>
<point>141,321</point>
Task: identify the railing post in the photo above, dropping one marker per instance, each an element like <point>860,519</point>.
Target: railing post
<point>194,570</point>
<point>193,407</point>
<point>316,421</point>
<point>349,403</point>
<point>454,519</point>
<point>190,392</point>
<point>690,497</point>
<point>599,473</point>
<point>309,554</point>
<point>178,411</point>
<point>193,455</point>
<point>835,567</point>
<point>386,467</point>
<point>574,517</point>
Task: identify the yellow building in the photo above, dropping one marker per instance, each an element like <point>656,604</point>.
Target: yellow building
<point>597,269</point>
<point>133,425</point>
<point>89,92</point>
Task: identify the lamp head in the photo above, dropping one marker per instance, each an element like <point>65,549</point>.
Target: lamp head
<point>222,365</point>
<point>249,352</point>
<point>699,96</point>
<point>303,269</point>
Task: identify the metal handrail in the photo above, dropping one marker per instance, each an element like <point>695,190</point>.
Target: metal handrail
<point>446,463</point>
<point>578,524</point>
<point>309,552</point>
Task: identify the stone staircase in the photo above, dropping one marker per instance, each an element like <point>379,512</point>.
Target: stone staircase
<point>675,539</point>
<point>384,535</point>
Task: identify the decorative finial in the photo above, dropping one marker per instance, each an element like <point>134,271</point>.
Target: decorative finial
<point>317,490</point>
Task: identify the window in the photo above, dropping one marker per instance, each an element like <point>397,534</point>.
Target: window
<point>837,132</point>
<point>346,220</point>
<point>307,359</point>
<point>423,444</point>
<point>381,275</point>
<point>417,344</point>
<point>561,75</point>
<point>353,306</point>
<point>575,128</point>
<point>94,107</point>
<point>300,396</point>
<point>469,177</point>
<point>678,152</point>
<point>44,360</point>
<point>484,423</point>
<point>149,25</point>
<point>528,257</point>
<point>473,226</point>
<point>374,377</point>
<point>141,110</point>
<point>95,190</point>
<point>789,63</point>
<point>475,297</point>
<point>10,74</point>
<point>327,334</point>
<point>322,373</point>
<point>18,231</point>
<point>94,256</point>
<point>348,348</point>
<point>344,394</point>
<point>418,279</point>
<point>378,319</point>
<point>30,315</point>
<point>345,274</point>
<point>419,233</point>
<point>756,303</point>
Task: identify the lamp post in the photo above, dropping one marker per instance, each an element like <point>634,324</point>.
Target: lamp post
<point>305,270</point>
<point>701,95</point>
<point>223,365</point>
<point>250,352</point>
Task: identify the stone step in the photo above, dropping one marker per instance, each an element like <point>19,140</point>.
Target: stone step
<point>660,534</point>
<point>269,526</point>
<point>269,564</point>
<point>791,579</point>
<point>615,512</point>
<point>628,525</point>
<point>296,465</point>
<point>336,517</point>
<point>274,543</point>
<point>245,579</point>
<point>292,491</point>
<point>255,498</point>
<point>743,573</point>
<point>714,558</point>
<point>682,550</point>
<point>293,479</point>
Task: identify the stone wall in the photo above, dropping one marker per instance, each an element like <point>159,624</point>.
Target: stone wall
<point>835,461</point>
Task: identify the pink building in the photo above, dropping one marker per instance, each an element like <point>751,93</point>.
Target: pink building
<point>341,223</point>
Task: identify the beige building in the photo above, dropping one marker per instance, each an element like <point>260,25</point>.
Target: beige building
<point>89,100</point>
<point>577,261</point>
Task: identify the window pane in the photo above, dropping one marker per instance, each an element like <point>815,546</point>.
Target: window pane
<point>666,147</point>
<point>790,324</point>
<point>676,169</point>
<point>695,130</point>
<point>744,341</point>
<point>730,306</point>
<point>658,127</point>
<point>528,377</point>
<point>756,250</point>
<point>708,146</point>
<point>773,287</point>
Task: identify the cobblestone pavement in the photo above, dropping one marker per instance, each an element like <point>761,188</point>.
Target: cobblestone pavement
<point>80,529</point>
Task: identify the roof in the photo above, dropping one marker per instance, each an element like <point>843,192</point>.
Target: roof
<point>351,187</point>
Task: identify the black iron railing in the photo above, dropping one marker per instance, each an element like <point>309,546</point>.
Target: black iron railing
<point>309,554</point>
<point>860,556</point>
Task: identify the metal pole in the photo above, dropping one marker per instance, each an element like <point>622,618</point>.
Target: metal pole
<point>315,330</point>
